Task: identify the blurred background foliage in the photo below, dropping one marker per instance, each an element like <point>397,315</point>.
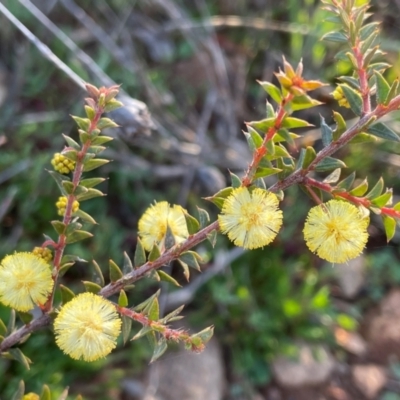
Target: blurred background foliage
<point>195,65</point>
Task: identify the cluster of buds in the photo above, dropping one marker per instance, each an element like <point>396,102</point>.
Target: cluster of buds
<point>62,205</point>
<point>338,95</point>
<point>62,164</point>
<point>44,253</point>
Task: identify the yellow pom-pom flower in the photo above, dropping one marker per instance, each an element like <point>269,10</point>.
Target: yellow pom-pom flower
<point>62,205</point>
<point>154,222</point>
<point>62,164</point>
<point>251,219</point>
<point>25,281</point>
<point>87,327</point>
<point>336,231</point>
<point>338,95</point>
<point>44,253</point>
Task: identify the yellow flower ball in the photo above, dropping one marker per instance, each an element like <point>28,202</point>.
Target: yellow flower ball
<point>251,219</point>
<point>154,222</point>
<point>336,231</point>
<point>87,327</point>
<point>25,281</point>
<point>338,95</point>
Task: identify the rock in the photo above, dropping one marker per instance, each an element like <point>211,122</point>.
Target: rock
<point>351,341</point>
<point>369,379</point>
<point>351,276</point>
<point>189,376</point>
<point>313,367</point>
<point>383,329</point>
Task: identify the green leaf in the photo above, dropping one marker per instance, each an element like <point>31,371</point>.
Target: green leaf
<point>19,394</point>
<point>392,92</point>
<point>89,194</point>
<point>144,331</point>
<point>59,227</point>
<point>70,154</point>
<point>368,29</point>
<point>249,139</point>
<point>382,88</point>
<point>354,99</point>
<point>126,328</point>
<point>308,157</point>
<point>205,335</point>
<point>145,304</point>
<point>68,187</point>
<point>17,355</point>
<point>204,218</point>
<point>72,227</point>
<point>66,294</point>
<point>106,123</point>
<point>347,183</point>
<point>192,259</point>
<point>333,177</point>
<point>154,253</point>
<point>376,190</point>
<point>91,182</point>
<point>115,271</point>
<point>185,268</point>
<point>283,135</point>
<point>64,268</point>
<point>159,349</point>
<point>127,267</point>
<point>262,125</point>
<point>326,132</point>
<point>123,299</point>
<point>169,239</point>
<point>329,164</point>
<point>390,227</point>
<point>361,189</point>
<point>219,198</point>
<point>140,255</point>
<point>101,140</point>
<point>167,278</point>
<point>191,223</point>
<point>46,394</point>
<point>291,122</point>
<point>92,287</point>
<point>272,90</point>
<point>96,149</point>
<point>382,131</point>
<point>263,172</point>
<point>83,123</point>
<point>363,137</point>
<point>339,37</point>
<point>112,105</point>
<point>78,235</point>
<point>85,217</point>
<point>302,103</point>
<point>71,142</point>
<point>212,238</point>
<point>236,181</point>
<point>340,125</point>
<point>153,310</point>
<point>59,180</point>
<point>94,163</point>
<point>172,315</point>
<point>383,200</point>
<point>98,274</point>
<point>270,110</point>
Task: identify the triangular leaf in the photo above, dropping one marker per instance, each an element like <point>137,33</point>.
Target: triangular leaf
<point>159,349</point>
<point>390,227</point>
<point>126,328</point>
<point>382,131</point>
<point>329,164</point>
<point>140,255</point>
<point>167,278</point>
<point>115,271</point>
